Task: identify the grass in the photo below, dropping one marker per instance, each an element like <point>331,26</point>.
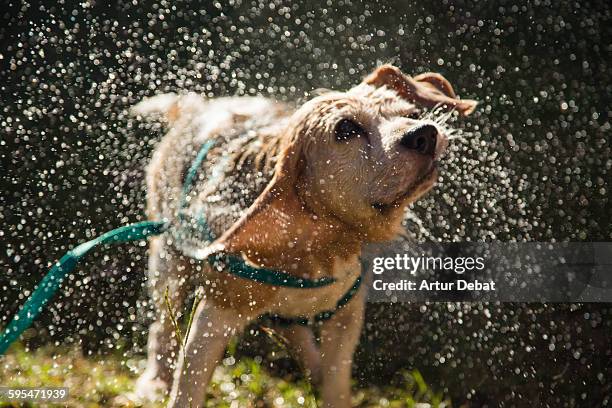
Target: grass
<point>107,381</point>
<point>182,338</point>
<point>103,381</point>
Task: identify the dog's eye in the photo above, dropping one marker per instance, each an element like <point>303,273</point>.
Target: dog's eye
<point>346,129</point>
<point>414,114</point>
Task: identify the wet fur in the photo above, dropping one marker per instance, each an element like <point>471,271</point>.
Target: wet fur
<point>261,193</point>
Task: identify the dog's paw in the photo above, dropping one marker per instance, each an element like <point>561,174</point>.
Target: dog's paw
<point>149,389</point>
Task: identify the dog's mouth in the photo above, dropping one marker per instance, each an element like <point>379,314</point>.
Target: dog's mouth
<point>426,180</point>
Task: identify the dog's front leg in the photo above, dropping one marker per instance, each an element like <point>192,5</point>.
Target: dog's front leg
<point>303,344</point>
<point>211,330</point>
<point>169,271</point>
<point>339,337</point>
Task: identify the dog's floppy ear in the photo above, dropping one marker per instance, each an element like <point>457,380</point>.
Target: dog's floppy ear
<point>427,89</point>
<point>291,159</point>
<point>437,81</point>
<point>278,195</point>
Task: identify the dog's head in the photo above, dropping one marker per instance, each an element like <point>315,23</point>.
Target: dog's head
<point>361,156</point>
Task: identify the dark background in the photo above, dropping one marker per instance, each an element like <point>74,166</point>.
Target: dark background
<point>535,166</point>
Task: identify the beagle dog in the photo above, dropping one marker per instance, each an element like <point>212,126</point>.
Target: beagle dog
<point>294,189</point>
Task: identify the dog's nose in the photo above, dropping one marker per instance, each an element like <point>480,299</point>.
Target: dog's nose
<point>421,139</point>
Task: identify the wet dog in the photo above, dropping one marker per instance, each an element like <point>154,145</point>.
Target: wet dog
<point>298,190</point>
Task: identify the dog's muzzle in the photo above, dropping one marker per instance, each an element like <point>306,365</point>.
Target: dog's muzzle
<point>421,139</point>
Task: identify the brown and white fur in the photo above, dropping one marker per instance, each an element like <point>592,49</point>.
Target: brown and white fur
<point>282,190</point>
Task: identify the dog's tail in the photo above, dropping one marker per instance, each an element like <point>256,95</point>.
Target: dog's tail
<point>169,107</point>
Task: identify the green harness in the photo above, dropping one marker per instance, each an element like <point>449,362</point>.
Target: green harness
<point>233,264</point>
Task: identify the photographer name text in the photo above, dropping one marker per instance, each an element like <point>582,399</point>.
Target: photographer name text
<point>413,265</point>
